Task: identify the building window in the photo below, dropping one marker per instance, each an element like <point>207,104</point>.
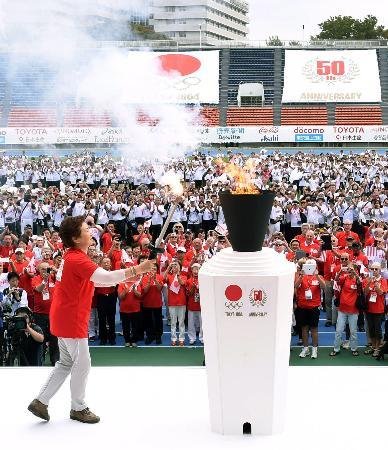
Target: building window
<point>170,8</point>
<point>182,34</point>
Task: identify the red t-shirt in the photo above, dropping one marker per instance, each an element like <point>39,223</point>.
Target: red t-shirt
<point>24,279</point>
<point>115,258</point>
<point>153,298</point>
<point>130,303</point>
<point>348,295</point>
<point>176,299</point>
<point>342,235</point>
<point>329,264</point>
<point>57,246</point>
<point>6,252</point>
<point>106,240</point>
<point>72,299</point>
<point>378,306</point>
<point>290,256</point>
<point>193,300</point>
<point>311,249</point>
<point>42,300</point>
<point>172,249</point>
<point>309,282</point>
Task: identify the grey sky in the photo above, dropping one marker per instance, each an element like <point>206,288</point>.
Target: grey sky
<point>286,17</point>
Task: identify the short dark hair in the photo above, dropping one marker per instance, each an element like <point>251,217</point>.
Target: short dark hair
<point>70,228</point>
<point>12,275</point>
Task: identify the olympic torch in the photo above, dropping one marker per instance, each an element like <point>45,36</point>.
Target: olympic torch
<point>172,180</point>
<point>246,301</point>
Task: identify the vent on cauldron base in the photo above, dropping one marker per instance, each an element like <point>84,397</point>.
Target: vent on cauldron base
<point>247,217</point>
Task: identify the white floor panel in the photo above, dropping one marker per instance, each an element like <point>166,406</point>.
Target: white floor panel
<point>166,408</point>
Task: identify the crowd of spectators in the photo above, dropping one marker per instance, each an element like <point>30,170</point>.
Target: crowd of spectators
<point>330,212</point>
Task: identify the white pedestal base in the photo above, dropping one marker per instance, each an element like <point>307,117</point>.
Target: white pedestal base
<point>246,301</point>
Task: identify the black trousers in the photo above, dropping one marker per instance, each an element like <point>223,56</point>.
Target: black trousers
<point>194,227</point>
<point>43,321</point>
<point>120,228</point>
<point>106,308</point>
<point>208,225</point>
<point>153,322</point>
<point>130,323</point>
<point>155,231</point>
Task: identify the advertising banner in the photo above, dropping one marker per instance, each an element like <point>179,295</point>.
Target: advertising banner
<point>206,135</point>
<point>181,77</point>
<point>343,76</point>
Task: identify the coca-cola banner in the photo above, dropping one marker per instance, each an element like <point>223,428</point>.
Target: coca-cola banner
<point>342,76</point>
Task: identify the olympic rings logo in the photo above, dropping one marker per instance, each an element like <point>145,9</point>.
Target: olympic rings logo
<point>234,305</point>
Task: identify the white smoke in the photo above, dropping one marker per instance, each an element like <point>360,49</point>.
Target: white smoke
<point>59,35</point>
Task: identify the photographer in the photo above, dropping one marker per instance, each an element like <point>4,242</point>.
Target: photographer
<point>26,339</point>
<point>43,285</point>
<point>308,287</point>
<point>349,283</point>
<point>13,296</point>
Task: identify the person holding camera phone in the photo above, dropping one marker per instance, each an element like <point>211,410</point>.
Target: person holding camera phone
<point>13,296</point>
<point>308,287</point>
<point>348,284</point>
<point>43,284</point>
<point>69,317</point>
<point>375,289</point>
<point>176,301</point>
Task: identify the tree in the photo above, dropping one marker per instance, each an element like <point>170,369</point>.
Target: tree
<point>274,41</point>
<point>146,33</point>
<point>349,28</point>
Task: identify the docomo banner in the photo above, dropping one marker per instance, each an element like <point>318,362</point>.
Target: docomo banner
<point>331,76</point>
<point>207,135</point>
<point>284,134</point>
<point>184,77</point>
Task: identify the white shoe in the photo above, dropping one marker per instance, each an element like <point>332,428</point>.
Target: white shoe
<point>314,354</point>
<point>346,345</point>
<point>305,352</point>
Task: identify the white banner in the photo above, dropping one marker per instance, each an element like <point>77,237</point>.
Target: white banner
<point>181,77</point>
<point>344,76</point>
<point>313,134</point>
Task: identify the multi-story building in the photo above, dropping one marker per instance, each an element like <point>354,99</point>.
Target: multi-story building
<point>201,21</point>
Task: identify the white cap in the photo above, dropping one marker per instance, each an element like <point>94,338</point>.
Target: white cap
<point>19,250</point>
<point>181,249</point>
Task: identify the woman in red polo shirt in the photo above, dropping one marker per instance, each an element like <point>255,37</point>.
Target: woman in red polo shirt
<point>129,296</point>
<point>152,285</point>
<point>375,288</point>
<point>308,298</point>
<point>69,317</point>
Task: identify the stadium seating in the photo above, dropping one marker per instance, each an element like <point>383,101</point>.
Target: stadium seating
<point>358,115</point>
<point>3,75</point>
<point>304,116</point>
<point>33,84</point>
<point>210,117</point>
<point>84,117</point>
<point>251,66</point>
<point>32,117</point>
<point>249,116</point>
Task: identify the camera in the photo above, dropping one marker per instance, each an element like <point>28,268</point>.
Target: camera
<point>27,198</point>
<point>48,270</point>
<point>16,325</point>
